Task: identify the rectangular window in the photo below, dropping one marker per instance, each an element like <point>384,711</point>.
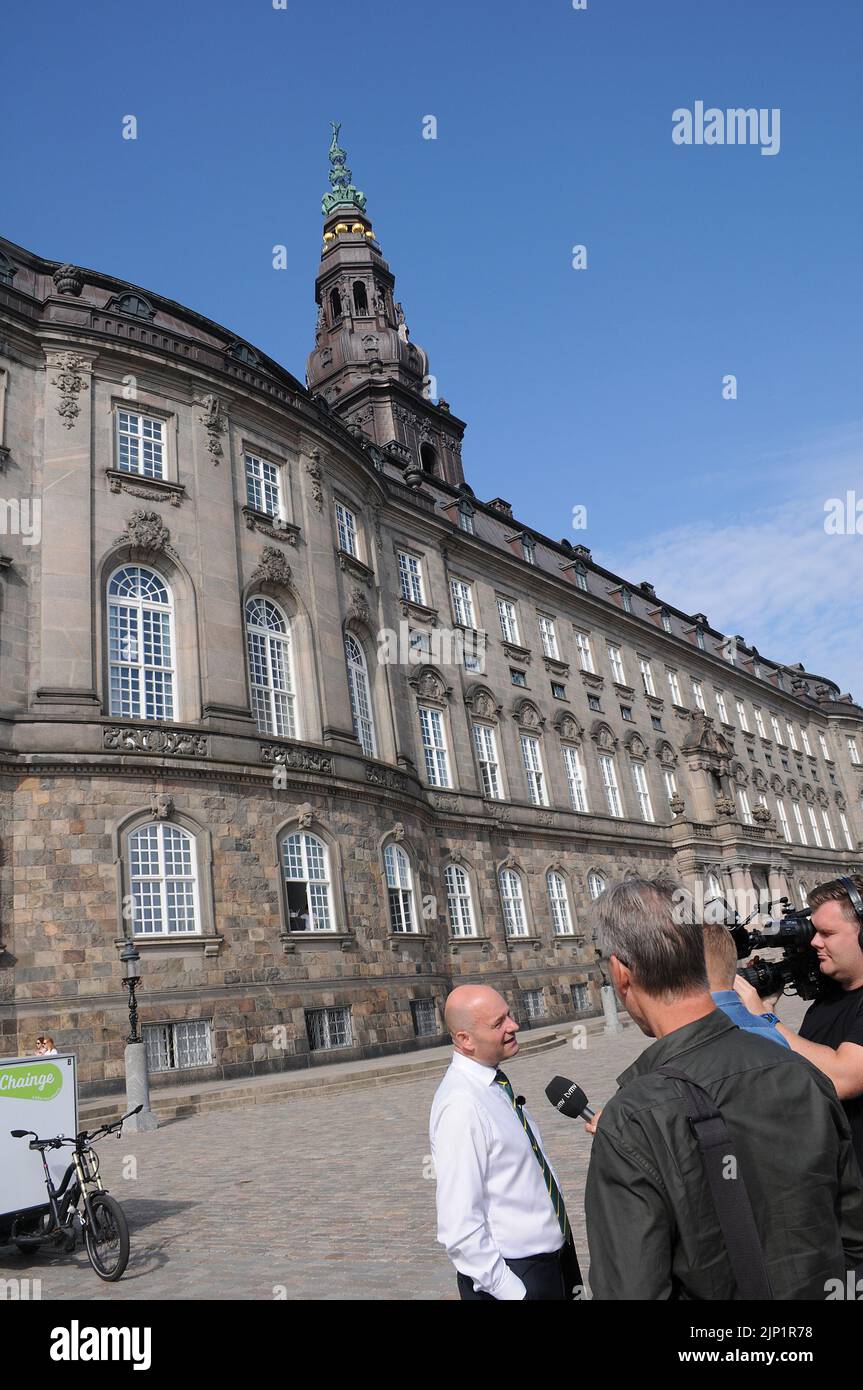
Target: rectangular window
<point>489,766</point>
<point>655,721</point>
<point>585,656</point>
<point>854,752</point>
<point>434,746</point>
<point>698,696</point>
<point>670,782</point>
<point>581,577</point>
<point>674,687</point>
<point>424,1018</point>
<point>774,724</point>
<point>666,620</point>
<point>176,1046</point>
<point>825,751</point>
<point>792,740</point>
<point>517,677</point>
<point>346,525</point>
<point>420,642</point>
<point>262,485</point>
<point>140,444</point>
<point>528,549</point>
<point>807,746</point>
<point>626,713</point>
<point>699,638</point>
<point>759,722</point>
<point>593,702</point>
<point>798,820</point>
<point>462,602</point>
<point>532,759</point>
<point>558,690</point>
<point>534,1003</point>
<point>741,716</point>
<point>411,577</point>
<point>828,828</point>
<point>465,521</point>
<point>609,783</point>
<point>646,676</point>
<point>813,821</point>
<point>575,778</point>
<point>843,821</point>
<point>617,669</point>
<point>783,818</point>
<point>642,791</point>
<point>720,707</point>
<point>508,620</point>
<point>328,1028</point>
<point>548,636</point>
<point>580,998</point>
<point>626,600</point>
<point>745,809</point>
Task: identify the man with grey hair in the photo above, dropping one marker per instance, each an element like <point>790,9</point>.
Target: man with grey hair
<point>657,1218</point>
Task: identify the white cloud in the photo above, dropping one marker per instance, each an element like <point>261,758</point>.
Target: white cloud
<point>775,577</point>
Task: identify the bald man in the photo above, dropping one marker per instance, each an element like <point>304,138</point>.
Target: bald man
<point>501,1217</point>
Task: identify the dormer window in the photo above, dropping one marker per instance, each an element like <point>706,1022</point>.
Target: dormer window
<point>626,600</point>
<point>7,270</point>
<point>699,637</point>
<point>465,517</point>
<point>666,620</point>
<point>133,304</point>
<point>242,353</point>
<point>581,575</point>
<point>528,549</point>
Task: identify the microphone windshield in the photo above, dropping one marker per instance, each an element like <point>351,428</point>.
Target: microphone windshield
<point>568,1098</point>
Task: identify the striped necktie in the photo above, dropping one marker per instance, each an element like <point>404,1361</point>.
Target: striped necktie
<point>502,1080</point>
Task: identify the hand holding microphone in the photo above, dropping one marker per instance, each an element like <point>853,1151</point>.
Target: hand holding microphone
<point>570,1100</point>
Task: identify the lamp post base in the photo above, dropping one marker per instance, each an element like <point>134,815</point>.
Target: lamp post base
<point>138,1089</point>
<point>609,1009</point>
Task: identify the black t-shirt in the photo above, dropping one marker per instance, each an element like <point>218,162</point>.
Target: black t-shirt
<point>837,1017</point>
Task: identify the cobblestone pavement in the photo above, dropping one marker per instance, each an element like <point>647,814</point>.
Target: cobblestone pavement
<point>327,1197</point>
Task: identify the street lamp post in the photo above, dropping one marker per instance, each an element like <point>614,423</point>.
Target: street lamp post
<point>135,1057</point>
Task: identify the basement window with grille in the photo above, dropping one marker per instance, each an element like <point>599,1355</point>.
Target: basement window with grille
<point>176,1046</point>
<point>424,1017</point>
<point>328,1028</point>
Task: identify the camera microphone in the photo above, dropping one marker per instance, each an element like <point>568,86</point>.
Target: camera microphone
<point>569,1098</point>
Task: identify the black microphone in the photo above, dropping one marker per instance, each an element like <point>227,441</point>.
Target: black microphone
<point>569,1099</point>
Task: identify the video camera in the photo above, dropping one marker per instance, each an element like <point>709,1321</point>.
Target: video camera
<point>798,971</point>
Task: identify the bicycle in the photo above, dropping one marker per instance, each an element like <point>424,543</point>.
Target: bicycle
<point>102,1220</point>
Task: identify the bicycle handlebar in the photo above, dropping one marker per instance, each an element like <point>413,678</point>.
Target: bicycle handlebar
<point>84,1135</point>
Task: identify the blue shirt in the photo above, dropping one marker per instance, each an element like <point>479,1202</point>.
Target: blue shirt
<point>731,1004</point>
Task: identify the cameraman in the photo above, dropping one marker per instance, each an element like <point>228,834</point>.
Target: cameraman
<point>831,1036</point>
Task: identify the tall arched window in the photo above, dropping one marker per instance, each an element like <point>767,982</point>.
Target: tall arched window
<point>335,304</point>
<point>400,889</point>
<point>361,299</point>
<point>512,898</point>
<point>428,459</point>
<point>558,899</point>
<point>361,700</point>
<point>271,675</point>
<point>306,868</point>
<point>596,884</point>
<point>163,880</point>
<point>140,644</point>
<point>714,887</point>
<point>459,901</point>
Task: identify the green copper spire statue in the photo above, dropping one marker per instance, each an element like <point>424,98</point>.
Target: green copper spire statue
<point>340,178</point>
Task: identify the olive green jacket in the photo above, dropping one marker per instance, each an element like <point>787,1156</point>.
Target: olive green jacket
<point>651,1224</point>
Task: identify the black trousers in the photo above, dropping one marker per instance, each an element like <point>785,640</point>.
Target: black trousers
<point>551,1276</point>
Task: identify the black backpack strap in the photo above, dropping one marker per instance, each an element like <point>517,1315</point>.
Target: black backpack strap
<point>730,1197</point>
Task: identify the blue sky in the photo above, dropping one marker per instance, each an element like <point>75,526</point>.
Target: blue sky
<point>600,387</point>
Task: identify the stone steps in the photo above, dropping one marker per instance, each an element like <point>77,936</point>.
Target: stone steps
<point>180,1104</point>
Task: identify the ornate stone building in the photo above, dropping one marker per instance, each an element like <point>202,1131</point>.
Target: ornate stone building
<point>283,699</point>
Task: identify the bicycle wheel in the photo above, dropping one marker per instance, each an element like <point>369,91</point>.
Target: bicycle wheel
<point>106,1237</point>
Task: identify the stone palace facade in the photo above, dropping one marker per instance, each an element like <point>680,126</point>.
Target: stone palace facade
<point>284,701</point>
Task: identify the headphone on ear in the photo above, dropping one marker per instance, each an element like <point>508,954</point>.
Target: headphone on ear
<point>856,902</point>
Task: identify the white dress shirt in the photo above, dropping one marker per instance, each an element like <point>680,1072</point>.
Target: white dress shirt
<point>492,1201</point>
